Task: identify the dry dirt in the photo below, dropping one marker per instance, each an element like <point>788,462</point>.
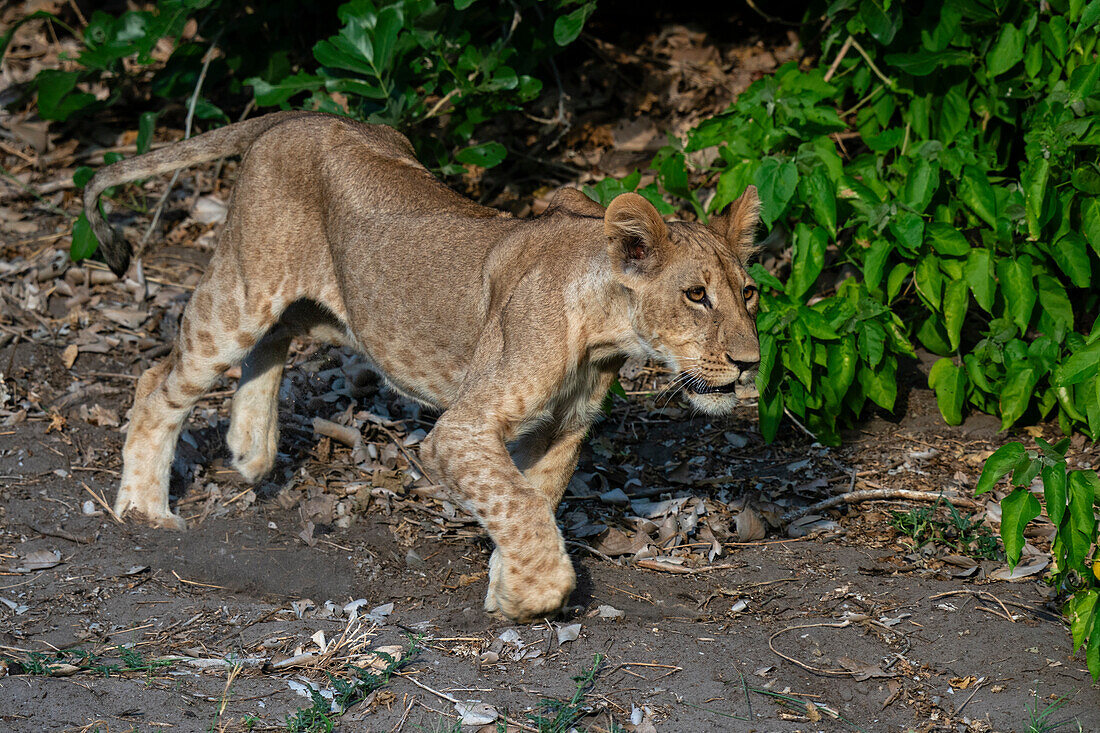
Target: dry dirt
<point>872,634</point>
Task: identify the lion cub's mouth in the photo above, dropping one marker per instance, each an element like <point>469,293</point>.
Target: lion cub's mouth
<point>697,388</point>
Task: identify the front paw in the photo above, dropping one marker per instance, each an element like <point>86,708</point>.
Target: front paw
<point>130,504</point>
<point>526,588</point>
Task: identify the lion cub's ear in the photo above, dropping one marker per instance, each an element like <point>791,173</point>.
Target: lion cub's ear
<point>573,201</point>
<point>738,225</point>
<point>636,233</point>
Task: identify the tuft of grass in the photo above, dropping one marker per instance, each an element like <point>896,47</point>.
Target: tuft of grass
<point>1039,721</point>
<point>944,525</point>
<point>321,716</point>
<point>46,664</point>
<point>558,716</point>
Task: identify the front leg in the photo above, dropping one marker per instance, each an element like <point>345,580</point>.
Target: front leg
<point>530,574</point>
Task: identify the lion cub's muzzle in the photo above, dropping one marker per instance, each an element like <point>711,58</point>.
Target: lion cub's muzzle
<point>746,374</point>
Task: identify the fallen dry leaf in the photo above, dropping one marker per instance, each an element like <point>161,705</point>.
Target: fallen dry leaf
<point>68,356</point>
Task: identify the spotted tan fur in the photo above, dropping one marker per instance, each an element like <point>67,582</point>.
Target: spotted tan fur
<point>513,328</point>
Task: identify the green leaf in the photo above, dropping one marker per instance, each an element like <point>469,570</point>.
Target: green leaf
<point>1054,491</point>
<point>1086,179</point>
<point>771,414</point>
<point>1083,486</point>
<point>776,183</point>
<point>947,240</point>
<point>84,242</point>
<point>954,113</point>
<point>1003,461</point>
<point>1054,302</point>
<point>568,27</point>
<point>872,342</point>
<point>874,261</point>
<point>841,367</point>
<point>921,184</point>
<point>881,385</point>
<point>1080,611</point>
<point>1034,178</point>
<point>769,349</point>
<point>1007,51</point>
<point>82,175</point>
<point>1016,393</point>
<point>896,279</point>
<point>1090,221</point>
<point>485,155</point>
<point>929,279</point>
<point>1082,82</point>
<point>56,99</point>
<point>1072,255</point>
<point>1017,509</point>
<point>956,299</point>
<point>1081,365</point>
<point>975,192</point>
<point>949,383</point>
<point>1018,289</point>
<point>807,259</point>
<point>979,276</point>
<point>820,194</point>
<point>463,4</point>
<point>146,123</point>
<point>909,230</point>
<point>881,24</point>
<point>274,95</point>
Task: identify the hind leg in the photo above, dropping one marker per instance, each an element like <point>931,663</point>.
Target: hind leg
<point>254,422</point>
<point>215,334</point>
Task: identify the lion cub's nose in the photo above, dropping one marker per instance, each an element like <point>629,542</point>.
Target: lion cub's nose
<point>746,362</point>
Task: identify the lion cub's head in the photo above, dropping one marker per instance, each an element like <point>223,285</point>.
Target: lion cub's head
<point>694,303</point>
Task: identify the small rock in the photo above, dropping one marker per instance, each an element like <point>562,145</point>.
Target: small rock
<point>736,440</point>
<point>476,713</point>
<point>568,633</point>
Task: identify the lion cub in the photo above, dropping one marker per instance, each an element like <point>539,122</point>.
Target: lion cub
<point>513,328</point>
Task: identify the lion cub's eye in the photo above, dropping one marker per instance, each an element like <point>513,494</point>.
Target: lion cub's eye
<point>749,292</point>
<point>696,294</point>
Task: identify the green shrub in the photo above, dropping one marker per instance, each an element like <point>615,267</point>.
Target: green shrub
<point>434,70</point>
<point>950,161</point>
<point>1070,498</point>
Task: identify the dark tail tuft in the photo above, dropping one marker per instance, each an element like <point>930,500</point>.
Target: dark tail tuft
<point>116,250</point>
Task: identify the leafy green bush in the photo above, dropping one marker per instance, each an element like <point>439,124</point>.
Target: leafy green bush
<point>949,159</point>
<point>434,70</point>
<point>1070,497</point>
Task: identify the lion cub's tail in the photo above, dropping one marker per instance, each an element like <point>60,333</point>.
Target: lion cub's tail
<point>229,140</point>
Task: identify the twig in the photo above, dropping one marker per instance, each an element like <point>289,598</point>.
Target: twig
<point>977,686</point>
<point>770,18</point>
<point>444,696</point>
<point>839,57</point>
<point>667,567</point>
<point>977,594</point>
<point>61,534</point>
<point>340,433</point>
<point>195,582</point>
<point>855,497</point>
<point>186,134</point>
<point>803,665</point>
<point>594,551</point>
<point>102,502</point>
<point>866,57</point>
<point>801,427</point>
